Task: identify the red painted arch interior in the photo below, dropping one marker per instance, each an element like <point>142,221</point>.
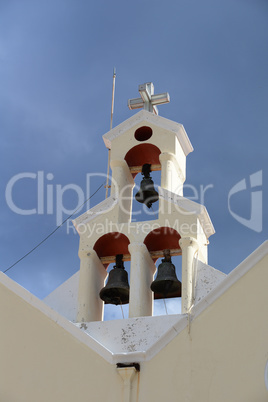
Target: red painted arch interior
<point>111,244</point>
<point>162,238</point>
<point>143,153</point>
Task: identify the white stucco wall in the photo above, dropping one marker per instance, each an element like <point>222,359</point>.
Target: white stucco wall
<point>219,356</point>
<point>64,298</point>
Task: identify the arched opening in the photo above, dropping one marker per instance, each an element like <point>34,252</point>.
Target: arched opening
<point>141,154</point>
<point>136,157</point>
<point>111,244</point>
<point>107,247</point>
<point>160,239</point>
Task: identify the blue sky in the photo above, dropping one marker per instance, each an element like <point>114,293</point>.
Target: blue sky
<point>56,65</point>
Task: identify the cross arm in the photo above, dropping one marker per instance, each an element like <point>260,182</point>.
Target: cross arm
<point>160,99</point>
<point>135,103</point>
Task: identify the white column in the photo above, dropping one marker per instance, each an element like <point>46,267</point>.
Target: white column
<point>188,247</point>
<point>121,176</point>
<point>122,186</point>
<point>91,281</point>
<point>171,176</point>
<point>141,276</point>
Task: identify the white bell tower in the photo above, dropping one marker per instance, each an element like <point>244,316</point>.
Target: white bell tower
<point>182,227</point>
<point>199,353</point>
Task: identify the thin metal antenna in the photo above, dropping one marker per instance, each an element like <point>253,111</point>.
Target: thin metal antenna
<point>107,186</point>
<point>112,108</point>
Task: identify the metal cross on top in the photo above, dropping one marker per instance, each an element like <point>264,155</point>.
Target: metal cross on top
<point>148,100</point>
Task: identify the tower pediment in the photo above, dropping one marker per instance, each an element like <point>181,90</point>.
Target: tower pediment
<point>145,118</point>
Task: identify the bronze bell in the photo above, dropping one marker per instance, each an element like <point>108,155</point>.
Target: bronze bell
<point>166,284</point>
<point>147,194</point>
<point>116,290</point>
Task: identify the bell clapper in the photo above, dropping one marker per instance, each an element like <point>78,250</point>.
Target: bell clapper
<point>122,311</point>
<point>165,304</point>
<point>154,211</point>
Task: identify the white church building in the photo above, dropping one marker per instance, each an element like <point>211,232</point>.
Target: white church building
<point>213,349</point>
